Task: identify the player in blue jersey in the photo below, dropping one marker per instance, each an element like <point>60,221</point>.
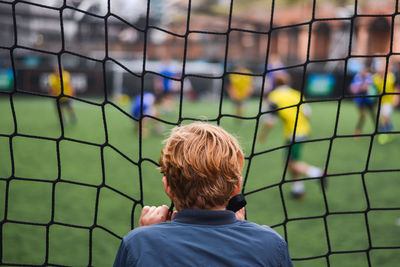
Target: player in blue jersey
<point>165,87</point>
<point>148,109</point>
<point>363,86</point>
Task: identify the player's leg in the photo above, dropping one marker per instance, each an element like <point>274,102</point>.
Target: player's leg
<point>66,104</point>
<point>268,123</point>
<point>57,104</point>
<point>298,188</point>
<point>168,102</point>
<point>239,107</point>
<point>299,168</point>
<point>154,125</point>
<point>362,110</point>
<point>385,123</point>
<point>145,132</point>
<point>158,107</point>
<point>372,112</point>
<point>71,111</point>
<point>386,112</point>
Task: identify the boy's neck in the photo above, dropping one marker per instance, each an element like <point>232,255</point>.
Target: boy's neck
<point>213,208</point>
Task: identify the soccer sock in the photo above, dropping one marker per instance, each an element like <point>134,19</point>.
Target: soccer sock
<point>73,118</point>
<point>390,127</point>
<point>387,127</point>
<point>314,172</point>
<point>298,187</point>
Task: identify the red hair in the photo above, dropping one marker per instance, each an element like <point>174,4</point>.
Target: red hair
<point>202,164</point>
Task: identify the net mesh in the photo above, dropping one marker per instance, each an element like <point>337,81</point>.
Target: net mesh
<point>251,156</point>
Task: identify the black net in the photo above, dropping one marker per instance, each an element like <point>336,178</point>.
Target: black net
<point>76,231</point>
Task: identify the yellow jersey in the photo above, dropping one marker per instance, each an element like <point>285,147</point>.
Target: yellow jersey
<point>55,84</point>
<point>284,97</point>
<point>241,85</point>
<point>389,88</point>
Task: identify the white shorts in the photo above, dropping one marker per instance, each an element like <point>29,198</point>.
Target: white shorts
<point>386,109</point>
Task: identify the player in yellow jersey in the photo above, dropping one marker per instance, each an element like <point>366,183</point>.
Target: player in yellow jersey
<point>54,81</point>
<point>389,100</point>
<point>240,88</point>
<point>285,100</point>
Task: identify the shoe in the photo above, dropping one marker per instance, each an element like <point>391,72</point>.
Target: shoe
<point>298,196</point>
<point>383,139</point>
<point>357,132</point>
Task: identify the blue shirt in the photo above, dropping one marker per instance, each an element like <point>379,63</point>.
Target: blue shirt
<point>148,101</point>
<point>203,238</point>
<point>359,81</point>
<point>167,83</point>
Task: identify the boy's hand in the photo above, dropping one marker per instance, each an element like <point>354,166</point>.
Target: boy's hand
<point>153,215</point>
<point>241,214</point>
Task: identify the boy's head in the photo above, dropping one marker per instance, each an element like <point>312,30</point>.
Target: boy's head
<point>202,165</point>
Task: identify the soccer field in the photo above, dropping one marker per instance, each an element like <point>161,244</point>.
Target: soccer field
<point>70,199</point>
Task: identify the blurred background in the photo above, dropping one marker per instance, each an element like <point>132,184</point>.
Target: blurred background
<point>126,36</point>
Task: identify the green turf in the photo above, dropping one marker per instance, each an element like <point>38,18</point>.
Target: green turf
<point>81,181</point>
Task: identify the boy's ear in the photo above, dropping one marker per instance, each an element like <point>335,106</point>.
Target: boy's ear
<point>238,187</point>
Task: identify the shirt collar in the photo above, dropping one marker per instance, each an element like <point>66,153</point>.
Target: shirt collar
<point>205,217</point>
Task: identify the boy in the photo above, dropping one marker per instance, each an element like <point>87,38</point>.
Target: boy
<point>285,98</point>
<point>202,167</point>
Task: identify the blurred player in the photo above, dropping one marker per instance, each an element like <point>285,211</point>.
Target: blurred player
<point>274,62</point>
<point>188,90</point>
<point>388,100</point>
<point>281,98</point>
<point>55,89</point>
<point>240,88</point>
<point>363,85</point>
<point>148,109</point>
<point>165,88</point>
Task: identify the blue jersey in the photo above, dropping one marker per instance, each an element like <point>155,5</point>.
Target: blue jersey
<point>203,238</point>
<point>148,101</point>
<point>167,83</point>
<point>363,85</point>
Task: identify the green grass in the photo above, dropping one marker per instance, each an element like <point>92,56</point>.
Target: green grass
<point>58,197</point>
